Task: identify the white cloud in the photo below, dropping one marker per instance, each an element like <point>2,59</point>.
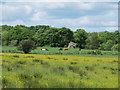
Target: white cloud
<point>111,29</point>
<point>11,12</point>
<point>55,5</point>
<point>37,13</point>
<point>85,6</point>
<point>28,9</point>
<point>1,12</point>
<point>96,29</point>
<point>109,19</point>
<point>16,22</point>
<point>38,16</point>
<point>73,22</point>
<point>46,5</point>
<point>114,6</point>
<point>110,23</point>
<point>83,21</point>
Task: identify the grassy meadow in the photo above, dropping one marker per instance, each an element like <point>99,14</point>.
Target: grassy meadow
<point>58,71</point>
<point>59,44</point>
<point>55,51</point>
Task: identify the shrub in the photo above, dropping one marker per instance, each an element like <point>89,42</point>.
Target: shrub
<point>29,56</point>
<point>65,58</point>
<point>3,51</point>
<point>9,68</point>
<point>16,56</point>
<point>90,68</point>
<point>38,75</point>
<point>26,45</point>
<point>49,57</point>
<point>36,60</point>
<point>21,62</point>
<point>73,62</point>
<point>74,68</point>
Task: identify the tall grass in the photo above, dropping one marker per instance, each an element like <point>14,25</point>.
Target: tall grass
<point>52,71</point>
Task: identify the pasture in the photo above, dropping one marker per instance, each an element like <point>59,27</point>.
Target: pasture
<point>56,51</point>
<point>58,71</point>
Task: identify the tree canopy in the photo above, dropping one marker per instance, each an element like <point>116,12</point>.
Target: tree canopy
<point>44,35</point>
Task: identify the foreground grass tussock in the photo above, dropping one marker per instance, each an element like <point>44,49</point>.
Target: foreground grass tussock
<point>52,71</point>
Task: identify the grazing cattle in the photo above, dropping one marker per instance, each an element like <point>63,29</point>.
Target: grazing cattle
<point>65,48</point>
<point>44,49</point>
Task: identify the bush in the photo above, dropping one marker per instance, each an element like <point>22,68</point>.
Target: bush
<point>73,62</point>
<point>90,68</point>
<point>16,56</point>
<point>26,45</point>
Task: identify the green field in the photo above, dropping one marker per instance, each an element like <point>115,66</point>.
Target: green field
<point>51,69</point>
<point>55,51</point>
<point>58,71</point>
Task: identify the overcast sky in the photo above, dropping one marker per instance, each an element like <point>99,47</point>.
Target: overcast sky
<point>91,16</point>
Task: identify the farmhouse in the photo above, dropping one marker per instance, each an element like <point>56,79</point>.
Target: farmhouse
<point>71,45</point>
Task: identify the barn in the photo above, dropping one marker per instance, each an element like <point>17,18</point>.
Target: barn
<point>72,45</point>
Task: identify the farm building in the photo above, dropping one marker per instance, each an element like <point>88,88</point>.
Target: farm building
<point>71,45</point>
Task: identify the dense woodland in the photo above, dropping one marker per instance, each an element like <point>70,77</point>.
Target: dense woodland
<point>44,35</point>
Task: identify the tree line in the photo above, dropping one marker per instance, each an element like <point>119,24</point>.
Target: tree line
<point>44,35</point>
